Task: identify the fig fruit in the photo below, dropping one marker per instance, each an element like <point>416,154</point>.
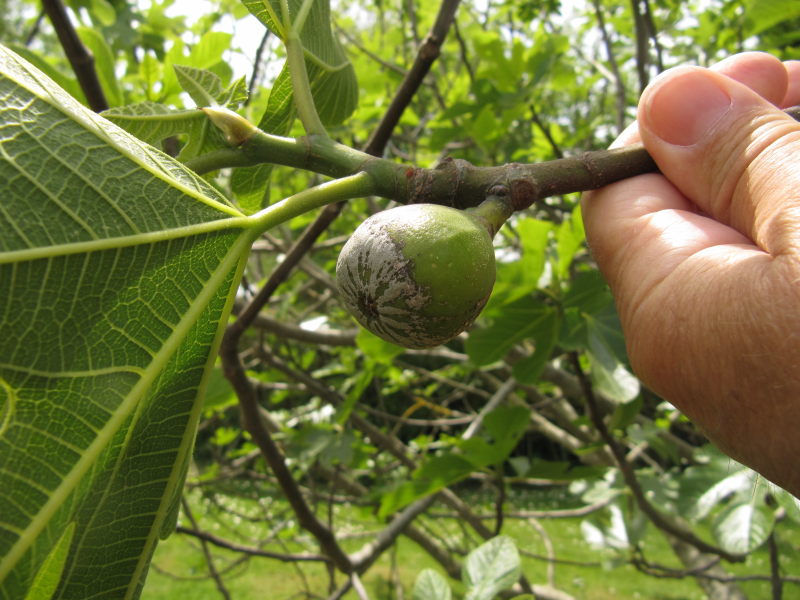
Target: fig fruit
<point>418,275</point>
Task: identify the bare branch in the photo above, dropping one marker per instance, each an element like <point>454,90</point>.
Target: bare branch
<point>619,85</point>
<point>641,34</point>
<point>256,73</point>
<point>212,569</point>
<point>79,56</point>
<point>427,54</point>
<point>250,551</point>
<point>253,422</point>
<point>658,519</point>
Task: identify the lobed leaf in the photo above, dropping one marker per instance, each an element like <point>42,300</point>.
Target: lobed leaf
<point>117,268</point>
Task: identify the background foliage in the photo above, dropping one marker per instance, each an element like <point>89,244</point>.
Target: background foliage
<point>515,428</point>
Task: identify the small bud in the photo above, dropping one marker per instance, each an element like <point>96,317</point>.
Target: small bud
<point>236,128</point>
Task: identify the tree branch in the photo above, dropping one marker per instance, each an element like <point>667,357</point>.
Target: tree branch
<point>248,550</point>
<point>641,35</point>
<point>427,54</point>
<point>453,182</point>
<point>212,570</point>
<point>619,85</point>
<point>252,421</point>
<point>657,518</point>
<point>79,56</point>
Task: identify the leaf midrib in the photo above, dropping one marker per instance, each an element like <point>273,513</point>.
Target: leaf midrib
<point>125,241</point>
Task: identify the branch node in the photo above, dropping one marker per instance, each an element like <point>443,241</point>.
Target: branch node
<point>524,188</point>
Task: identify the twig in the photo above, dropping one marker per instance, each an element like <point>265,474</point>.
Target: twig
<point>496,400</point>
<point>427,54</point>
<point>776,584</point>
<point>79,56</point>
<point>34,29</point>
<point>664,572</point>
<point>658,519</point>
<point>566,513</point>
<point>619,85</point>
<point>463,49</point>
<point>549,548</point>
<point>212,569</point>
<point>327,337</point>
<point>561,561</point>
<point>339,594</point>
<point>543,127</point>
<point>641,35</point>
<point>248,550</point>
<point>358,586</point>
<point>651,31</point>
<point>256,73</point>
<point>369,553</point>
<point>411,531</point>
<point>355,44</point>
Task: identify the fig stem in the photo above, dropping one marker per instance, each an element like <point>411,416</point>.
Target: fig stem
<point>493,212</point>
<point>354,186</point>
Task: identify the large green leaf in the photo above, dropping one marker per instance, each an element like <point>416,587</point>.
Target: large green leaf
<point>527,318</point>
<point>763,14</point>
<point>117,267</point>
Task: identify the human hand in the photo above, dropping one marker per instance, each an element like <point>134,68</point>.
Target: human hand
<point>704,260</point>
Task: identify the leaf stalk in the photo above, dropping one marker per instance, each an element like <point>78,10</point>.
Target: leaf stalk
<point>301,86</point>
<point>353,186</point>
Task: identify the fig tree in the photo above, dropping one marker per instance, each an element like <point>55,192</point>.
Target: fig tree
<point>418,275</point>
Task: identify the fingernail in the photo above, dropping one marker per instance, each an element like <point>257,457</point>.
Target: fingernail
<point>686,107</point>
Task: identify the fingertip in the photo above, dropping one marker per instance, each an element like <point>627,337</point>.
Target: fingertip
<point>792,96</point>
<point>761,72</point>
<point>683,105</point>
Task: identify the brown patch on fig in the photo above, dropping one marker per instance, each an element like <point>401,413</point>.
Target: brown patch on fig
<point>417,275</point>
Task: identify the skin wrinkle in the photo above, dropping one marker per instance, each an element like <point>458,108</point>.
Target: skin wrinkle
<point>764,150</point>
<point>673,255</point>
<point>759,179</point>
<point>766,76</point>
<point>691,312</point>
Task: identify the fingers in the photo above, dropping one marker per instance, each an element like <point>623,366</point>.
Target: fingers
<point>792,97</point>
<point>761,72</point>
<point>728,149</point>
<point>703,260</point>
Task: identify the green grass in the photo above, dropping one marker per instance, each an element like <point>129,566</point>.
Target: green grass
<point>595,577</point>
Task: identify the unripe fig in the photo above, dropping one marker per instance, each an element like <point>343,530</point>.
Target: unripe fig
<point>418,275</point>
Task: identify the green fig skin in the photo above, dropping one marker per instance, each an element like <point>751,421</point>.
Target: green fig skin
<point>417,275</point>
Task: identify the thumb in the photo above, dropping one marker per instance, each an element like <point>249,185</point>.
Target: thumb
<point>729,151</point>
